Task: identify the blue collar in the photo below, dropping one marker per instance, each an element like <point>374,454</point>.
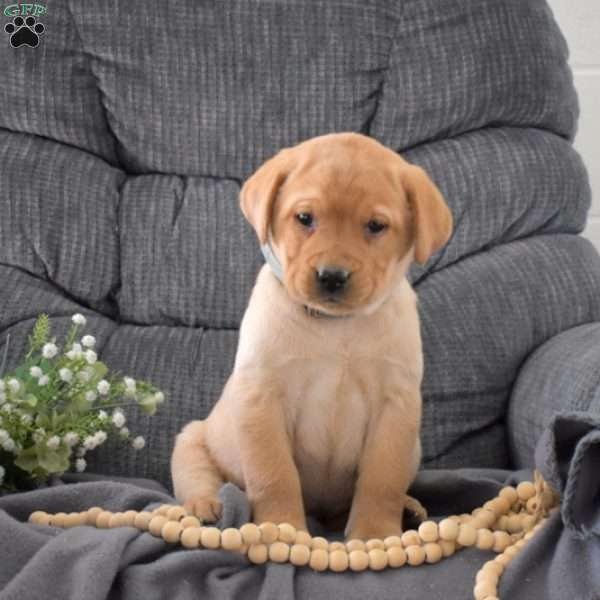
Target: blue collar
<point>273,262</point>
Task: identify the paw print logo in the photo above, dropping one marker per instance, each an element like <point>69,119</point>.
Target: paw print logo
<point>24,32</point>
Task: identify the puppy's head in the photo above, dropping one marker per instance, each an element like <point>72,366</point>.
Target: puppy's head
<point>347,215</point>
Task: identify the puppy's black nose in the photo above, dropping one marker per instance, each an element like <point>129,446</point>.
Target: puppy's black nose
<point>331,279</point>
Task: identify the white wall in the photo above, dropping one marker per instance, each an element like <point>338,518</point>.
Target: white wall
<point>580,23</point>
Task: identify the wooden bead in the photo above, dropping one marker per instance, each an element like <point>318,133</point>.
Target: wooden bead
<point>190,521</point>
<point>467,535</point>
<point>171,532</point>
<point>503,559</point>
<point>176,513</point>
<point>251,533</point>
<point>287,533</point>
<point>162,510</point>
<point>391,541</point>
<point>102,519</point>
<point>525,490</point>
<point>279,552</point>
<point>268,532</point>
<point>485,539</point>
<point>74,520</point>
<point>156,524</point>
<point>258,553</point>
<point>501,523</point>
<point>487,575</point>
<point>501,541</point>
<point>495,566</point>
<point>448,529</point>
<point>448,548</point>
<point>58,519</point>
<point>190,537</point>
<point>358,560</point>
<point>320,543</point>
<point>515,524</point>
<point>299,555</point>
<point>483,590</point>
<point>375,543</point>
<point>304,538</point>
<point>411,538</point>
<point>415,555</point>
<point>428,531</point>
<point>378,559</point>
<point>333,546</point>
<point>211,537</point>
<point>338,561</point>
<point>356,545</point>
<point>231,539</point>
<point>396,556</point>
<point>512,551</point>
<point>39,517</point>
<point>510,493</point>
<point>532,505</point>
<point>117,520</point>
<point>503,504</point>
<point>129,518</point>
<point>319,559</point>
<point>92,515</point>
<point>142,520</point>
<point>433,552</point>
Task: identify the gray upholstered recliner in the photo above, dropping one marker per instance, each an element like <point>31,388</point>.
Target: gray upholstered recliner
<point>125,136</point>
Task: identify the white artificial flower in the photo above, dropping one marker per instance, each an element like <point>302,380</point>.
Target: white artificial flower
<point>9,445</point>
<point>38,435</point>
<point>7,408</point>
<point>78,319</point>
<point>80,465</point>
<point>2,385</point>
<point>129,386</point>
<point>159,397</point>
<point>77,350</point>
<point>118,418</point>
<point>44,380</point>
<point>89,443</point>
<point>100,437</point>
<point>14,385</point>
<point>26,419</point>
<point>138,443</point>
<point>124,433</point>
<point>70,355</point>
<point>4,436</point>
<point>90,356</point>
<point>89,341</point>
<point>102,415</point>
<point>53,443</point>
<point>2,473</point>
<point>66,375</point>
<point>103,387</point>
<point>90,396</point>
<point>36,372</point>
<point>49,350</point>
<point>71,439</point>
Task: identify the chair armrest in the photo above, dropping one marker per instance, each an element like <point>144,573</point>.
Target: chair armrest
<point>563,374</point>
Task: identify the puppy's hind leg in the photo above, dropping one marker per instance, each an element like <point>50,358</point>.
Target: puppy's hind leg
<point>196,477</point>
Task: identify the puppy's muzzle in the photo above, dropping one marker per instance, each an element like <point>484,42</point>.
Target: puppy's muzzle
<point>332,280</point>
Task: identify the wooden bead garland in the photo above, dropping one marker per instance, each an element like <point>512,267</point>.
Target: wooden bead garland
<point>504,524</point>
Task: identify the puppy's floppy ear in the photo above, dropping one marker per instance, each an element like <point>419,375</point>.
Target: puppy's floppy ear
<point>431,215</point>
<point>260,190</point>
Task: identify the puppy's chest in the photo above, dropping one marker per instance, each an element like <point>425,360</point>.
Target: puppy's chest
<point>329,404</point>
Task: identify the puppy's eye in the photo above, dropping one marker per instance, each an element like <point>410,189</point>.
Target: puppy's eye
<point>375,226</point>
<point>305,219</point>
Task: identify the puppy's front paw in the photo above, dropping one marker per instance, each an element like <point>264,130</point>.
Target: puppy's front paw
<point>375,528</point>
<point>207,508</point>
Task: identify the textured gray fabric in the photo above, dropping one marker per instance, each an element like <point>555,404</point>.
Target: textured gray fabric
<point>119,178</point>
<point>560,562</point>
<point>561,375</point>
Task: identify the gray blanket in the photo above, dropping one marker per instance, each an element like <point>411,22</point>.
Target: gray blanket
<point>559,563</point>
